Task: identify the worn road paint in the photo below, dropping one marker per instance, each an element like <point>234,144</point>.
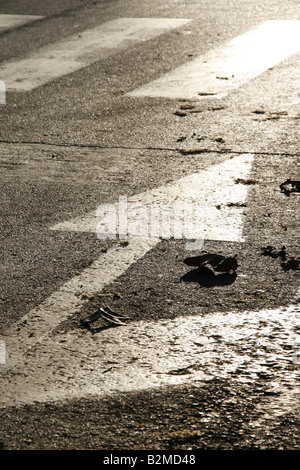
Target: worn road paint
<point>215,74</point>
<point>80,50</point>
<point>14,21</point>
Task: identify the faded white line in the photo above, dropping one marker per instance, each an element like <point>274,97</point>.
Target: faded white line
<point>227,67</point>
<point>14,21</point>
<point>81,50</point>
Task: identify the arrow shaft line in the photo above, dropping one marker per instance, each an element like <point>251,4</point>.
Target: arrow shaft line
<point>62,304</point>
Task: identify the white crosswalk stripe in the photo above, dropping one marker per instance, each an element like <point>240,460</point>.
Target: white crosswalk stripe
<point>81,50</point>
<point>228,67</point>
<point>14,21</point>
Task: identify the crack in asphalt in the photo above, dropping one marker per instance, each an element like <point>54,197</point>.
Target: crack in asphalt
<point>184,151</point>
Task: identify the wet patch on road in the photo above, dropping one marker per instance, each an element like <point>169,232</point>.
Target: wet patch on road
<point>219,415</point>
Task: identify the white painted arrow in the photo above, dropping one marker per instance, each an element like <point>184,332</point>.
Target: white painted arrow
<point>212,196</point>
<point>40,367</point>
<point>214,187</point>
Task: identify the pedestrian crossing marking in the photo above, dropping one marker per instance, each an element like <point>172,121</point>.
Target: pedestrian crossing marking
<point>14,21</point>
<point>221,70</point>
<point>80,50</point>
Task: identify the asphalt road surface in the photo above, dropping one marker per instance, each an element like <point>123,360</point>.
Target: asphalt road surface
<point>115,115</point>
